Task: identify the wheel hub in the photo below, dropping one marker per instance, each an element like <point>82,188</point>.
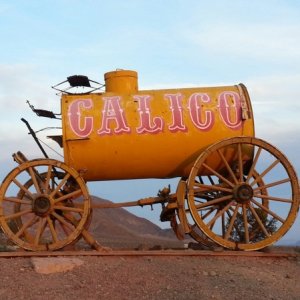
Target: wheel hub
<point>243,193</point>
<point>41,205</point>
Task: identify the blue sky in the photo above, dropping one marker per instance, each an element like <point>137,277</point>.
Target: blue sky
<point>170,43</point>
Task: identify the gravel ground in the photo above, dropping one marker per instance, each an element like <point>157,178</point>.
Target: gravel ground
<point>151,277</point>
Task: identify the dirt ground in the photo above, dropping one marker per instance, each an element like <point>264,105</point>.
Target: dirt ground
<point>152,277</point>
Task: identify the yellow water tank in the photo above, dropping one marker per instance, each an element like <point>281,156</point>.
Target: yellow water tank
<point>126,133</point>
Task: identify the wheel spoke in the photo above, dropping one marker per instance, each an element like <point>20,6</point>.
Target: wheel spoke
<point>240,161</point>
<point>252,169</point>
<point>29,223</point>
<point>23,188</point>
<point>267,170</point>
<point>268,211</point>
<point>245,223</point>
<point>261,225</point>
<point>227,166</point>
<point>52,229</point>
<point>71,218</point>
<point>18,214</point>
<point>273,198</point>
<point>213,221</point>
<point>212,202</point>
<point>207,188</point>
<point>17,200</point>
<point>223,225</point>
<point>62,220</point>
<point>34,180</point>
<point>48,177</point>
<point>74,194</point>
<point>208,213</point>
<point>210,180</point>
<point>272,184</point>
<point>217,174</point>
<point>63,181</point>
<point>231,224</point>
<point>219,214</point>
<point>234,224</point>
<point>40,230</point>
<point>65,229</point>
<point>67,208</point>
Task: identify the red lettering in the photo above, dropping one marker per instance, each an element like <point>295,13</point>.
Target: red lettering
<point>146,124</point>
<point>112,112</point>
<point>231,114</point>
<point>114,121</point>
<point>81,127</point>
<point>176,109</point>
<point>204,120</point>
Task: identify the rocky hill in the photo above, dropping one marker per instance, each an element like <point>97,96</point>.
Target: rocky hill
<point>118,228</point>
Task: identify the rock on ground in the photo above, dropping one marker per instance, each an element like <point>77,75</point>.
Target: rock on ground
<point>48,265</point>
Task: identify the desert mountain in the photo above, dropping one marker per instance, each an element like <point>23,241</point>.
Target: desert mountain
<point>116,227</point>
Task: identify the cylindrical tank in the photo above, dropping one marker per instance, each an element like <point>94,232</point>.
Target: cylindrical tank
<point>125,133</point>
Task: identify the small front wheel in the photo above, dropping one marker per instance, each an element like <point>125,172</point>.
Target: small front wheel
<point>44,205</point>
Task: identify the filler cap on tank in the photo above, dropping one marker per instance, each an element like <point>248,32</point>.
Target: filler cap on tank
<point>121,81</point>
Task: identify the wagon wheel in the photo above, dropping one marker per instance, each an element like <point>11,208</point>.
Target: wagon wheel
<point>51,208</point>
<point>255,200</point>
<point>184,212</point>
<point>17,223</point>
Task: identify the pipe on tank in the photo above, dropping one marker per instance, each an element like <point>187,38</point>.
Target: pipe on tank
<point>121,81</point>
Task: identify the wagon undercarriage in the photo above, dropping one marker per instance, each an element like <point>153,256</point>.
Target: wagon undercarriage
<point>45,205</point>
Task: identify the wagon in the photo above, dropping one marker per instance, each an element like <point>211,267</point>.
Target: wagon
<point>234,190</point>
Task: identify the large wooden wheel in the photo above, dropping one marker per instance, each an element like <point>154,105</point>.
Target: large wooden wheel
<point>254,196</point>
<point>45,205</point>
<point>184,213</point>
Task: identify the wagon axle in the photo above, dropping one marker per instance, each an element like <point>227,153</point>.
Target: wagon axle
<point>242,193</point>
<point>41,205</point>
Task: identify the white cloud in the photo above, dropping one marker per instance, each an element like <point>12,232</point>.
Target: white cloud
<point>280,88</point>
<point>272,41</point>
<point>276,104</point>
<point>20,82</point>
